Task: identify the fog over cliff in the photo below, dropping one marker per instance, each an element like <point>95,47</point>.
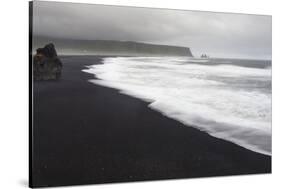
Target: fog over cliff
<point>217,34</point>
<point>109,48</point>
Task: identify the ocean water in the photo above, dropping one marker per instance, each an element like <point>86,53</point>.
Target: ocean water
<point>228,99</point>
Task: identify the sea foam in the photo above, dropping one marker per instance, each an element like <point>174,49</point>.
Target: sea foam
<point>225,100</point>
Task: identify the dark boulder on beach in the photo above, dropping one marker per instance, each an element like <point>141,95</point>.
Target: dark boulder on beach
<point>46,64</point>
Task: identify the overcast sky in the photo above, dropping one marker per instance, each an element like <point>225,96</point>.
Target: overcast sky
<point>217,34</point>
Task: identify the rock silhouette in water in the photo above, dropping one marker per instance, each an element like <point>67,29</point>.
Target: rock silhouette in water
<point>46,64</point>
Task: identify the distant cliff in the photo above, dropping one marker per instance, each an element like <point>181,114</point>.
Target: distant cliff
<point>104,47</point>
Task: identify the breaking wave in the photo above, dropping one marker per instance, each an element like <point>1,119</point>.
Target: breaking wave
<point>226,100</point>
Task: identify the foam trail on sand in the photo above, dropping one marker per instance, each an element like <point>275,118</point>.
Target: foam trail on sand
<point>225,100</point>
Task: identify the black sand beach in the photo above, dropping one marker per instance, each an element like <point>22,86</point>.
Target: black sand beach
<point>85,133</point>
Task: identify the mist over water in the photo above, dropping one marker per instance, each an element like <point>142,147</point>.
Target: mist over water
<point>229,99</point>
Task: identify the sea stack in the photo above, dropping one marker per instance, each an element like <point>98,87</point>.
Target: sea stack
<point>46,64</point>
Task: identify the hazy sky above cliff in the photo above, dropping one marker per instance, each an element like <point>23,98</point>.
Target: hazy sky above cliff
<point>217,34</point>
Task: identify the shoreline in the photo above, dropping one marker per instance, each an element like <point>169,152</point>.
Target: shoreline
<point>89,134</point>
<point>254,146</point>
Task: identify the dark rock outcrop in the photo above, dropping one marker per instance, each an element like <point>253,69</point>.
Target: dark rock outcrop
<point>46,64</point>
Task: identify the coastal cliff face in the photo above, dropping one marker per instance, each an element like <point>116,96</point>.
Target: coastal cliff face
<point>112,48</point>
<point>46,64</point>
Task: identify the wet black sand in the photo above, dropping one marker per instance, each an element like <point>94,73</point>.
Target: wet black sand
<point>85,133</point>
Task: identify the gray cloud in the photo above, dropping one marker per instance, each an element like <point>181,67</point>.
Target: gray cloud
<point>218,34</point>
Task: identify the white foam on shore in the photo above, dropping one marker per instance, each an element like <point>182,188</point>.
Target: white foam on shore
<point>227,101</point>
